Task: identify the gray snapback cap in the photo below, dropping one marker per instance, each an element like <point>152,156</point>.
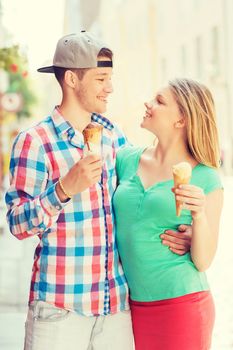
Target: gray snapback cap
<point>77,51</point>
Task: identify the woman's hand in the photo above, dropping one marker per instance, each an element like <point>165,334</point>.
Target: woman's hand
<point>193,199</point>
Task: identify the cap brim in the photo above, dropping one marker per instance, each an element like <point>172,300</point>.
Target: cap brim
<point>49,69</point>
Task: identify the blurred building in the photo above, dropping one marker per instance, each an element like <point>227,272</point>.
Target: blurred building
<point>1,27</point>
<point>80,15</point>
<point>194,39</point>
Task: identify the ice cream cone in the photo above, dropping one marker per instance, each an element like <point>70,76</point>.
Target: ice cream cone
<point>92,138</point>
<point>182,174</point>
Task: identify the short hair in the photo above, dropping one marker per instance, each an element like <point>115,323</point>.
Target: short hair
<point>59,72</point>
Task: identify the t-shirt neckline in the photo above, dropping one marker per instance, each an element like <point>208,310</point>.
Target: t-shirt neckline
<point>139,180</point>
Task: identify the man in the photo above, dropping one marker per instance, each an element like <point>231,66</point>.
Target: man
<point>79,295</point>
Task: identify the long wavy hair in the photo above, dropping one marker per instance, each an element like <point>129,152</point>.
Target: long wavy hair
<point>196,105</point>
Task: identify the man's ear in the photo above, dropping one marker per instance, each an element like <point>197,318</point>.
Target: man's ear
<point>70,78</point>
<point>180,123</point>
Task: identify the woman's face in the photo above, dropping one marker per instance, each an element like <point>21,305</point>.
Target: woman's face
<point>162,113</point>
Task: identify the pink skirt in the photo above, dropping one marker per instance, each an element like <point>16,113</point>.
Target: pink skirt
<point>183,323</point>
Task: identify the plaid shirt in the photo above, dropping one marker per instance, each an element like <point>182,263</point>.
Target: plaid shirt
<point>76,263</point>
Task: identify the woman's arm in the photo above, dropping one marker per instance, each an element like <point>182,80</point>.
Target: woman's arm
<point>206,212</point>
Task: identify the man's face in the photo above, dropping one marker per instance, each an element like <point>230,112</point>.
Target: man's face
<point>93,90</point>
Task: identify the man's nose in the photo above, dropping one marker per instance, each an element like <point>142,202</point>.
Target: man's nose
<point>108,87</point>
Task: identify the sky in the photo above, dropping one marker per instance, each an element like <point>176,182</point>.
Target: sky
<point>35,26</point>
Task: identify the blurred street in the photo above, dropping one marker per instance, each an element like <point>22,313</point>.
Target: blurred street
<point>12,329</point>
<point>220,276</point>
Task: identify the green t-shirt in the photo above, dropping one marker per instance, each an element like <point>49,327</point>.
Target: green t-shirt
<point>153,272</point>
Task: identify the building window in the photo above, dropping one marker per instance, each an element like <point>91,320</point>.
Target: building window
<point>198,57</point>
<point>164,70</point>
<point>215,59</point>
<point>183,60</point>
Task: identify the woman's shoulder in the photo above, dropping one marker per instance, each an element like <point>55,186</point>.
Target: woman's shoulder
<point>207,170</point>
<point>208,178</point>
<point>126,158</point>
<point>129,151</point>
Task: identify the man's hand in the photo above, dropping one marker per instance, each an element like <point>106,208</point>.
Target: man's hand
<point>179,242</point>
<point>85,173</point>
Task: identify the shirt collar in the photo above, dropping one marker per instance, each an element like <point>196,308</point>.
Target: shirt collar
<point>102,120</point>
<point>63,127</point>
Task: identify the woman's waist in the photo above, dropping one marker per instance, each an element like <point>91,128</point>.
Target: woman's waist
<point>144,231</point>
<point>187,298</point>
<point>161,285</point>
<point>160,276</point>
<point>149,250</point>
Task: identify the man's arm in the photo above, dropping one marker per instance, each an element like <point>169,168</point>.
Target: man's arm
<point>32,205</point>
<point>179,242</point>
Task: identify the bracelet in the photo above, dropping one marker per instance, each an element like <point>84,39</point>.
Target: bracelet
<point>63,190</point>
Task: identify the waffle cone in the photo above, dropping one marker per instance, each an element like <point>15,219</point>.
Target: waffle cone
<point>179,180</point>
<point>182,173</point>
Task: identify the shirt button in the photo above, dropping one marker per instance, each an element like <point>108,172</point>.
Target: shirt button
<point>57,207</point>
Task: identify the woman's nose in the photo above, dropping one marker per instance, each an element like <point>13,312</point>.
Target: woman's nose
<point>148,105</point>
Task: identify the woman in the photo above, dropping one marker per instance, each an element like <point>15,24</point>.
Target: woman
<point>172,307</point>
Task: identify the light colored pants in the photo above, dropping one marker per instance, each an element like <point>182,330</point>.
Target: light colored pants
<point>52,328</point>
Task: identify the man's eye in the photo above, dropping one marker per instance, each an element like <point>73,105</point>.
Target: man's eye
<point>100,79</point>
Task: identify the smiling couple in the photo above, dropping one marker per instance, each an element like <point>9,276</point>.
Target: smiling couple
<point>89,228</point>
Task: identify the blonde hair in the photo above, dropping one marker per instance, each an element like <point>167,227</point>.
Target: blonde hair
<point>196,104</point>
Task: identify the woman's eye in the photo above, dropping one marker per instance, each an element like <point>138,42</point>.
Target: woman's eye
<point>100,79</point>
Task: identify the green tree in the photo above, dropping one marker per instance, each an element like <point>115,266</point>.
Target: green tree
<point>16,65</point>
